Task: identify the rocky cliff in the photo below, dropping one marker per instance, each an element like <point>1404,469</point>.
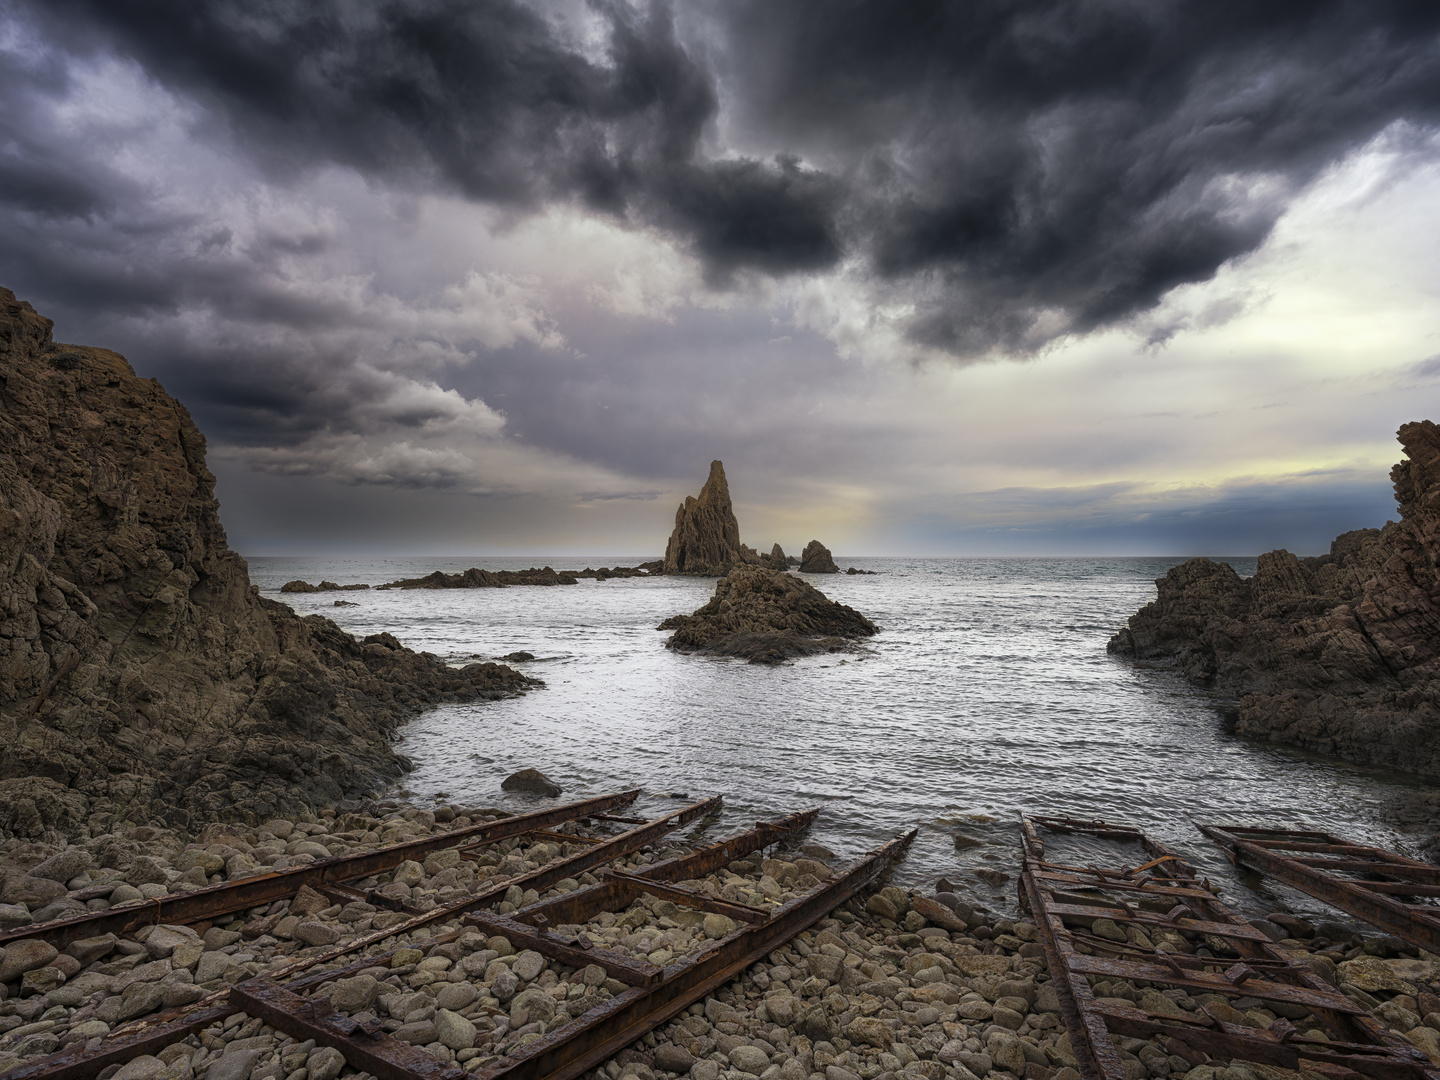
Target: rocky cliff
<point>766,617</point>
<point>1339,653</point>
<point>142,677</point>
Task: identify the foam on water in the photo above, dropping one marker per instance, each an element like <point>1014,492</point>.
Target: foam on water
<point>987,693</point>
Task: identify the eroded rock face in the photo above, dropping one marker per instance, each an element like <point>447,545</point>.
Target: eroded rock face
<point>706,540</point>
<point>1339,653</point>
<point>767,617</point>
<point>816,559</point>
<point>142,677</point>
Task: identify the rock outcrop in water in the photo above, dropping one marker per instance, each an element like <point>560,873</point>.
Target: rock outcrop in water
<point>1339,653</point>
<point>324,586</point>
<point>142,677</point>
<point>816,559</point>
<point>706,539</point>
<point>767,617</point>
<point>475,578</point>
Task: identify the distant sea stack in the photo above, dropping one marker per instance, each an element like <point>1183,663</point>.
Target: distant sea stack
<point>706,540</point>
<point>1339,653</point>
<point>766,616</point>
<point>143,680</point>
<point>816,559</point>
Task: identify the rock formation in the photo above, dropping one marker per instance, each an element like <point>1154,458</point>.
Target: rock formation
<point>766,617</point>
<point>816,559</point>
<point>706,540</point>
<point>142,677</point>
<point>298,586</point>
<point>475,578</point>
<point>776,560</point>
<point>1339,653</point>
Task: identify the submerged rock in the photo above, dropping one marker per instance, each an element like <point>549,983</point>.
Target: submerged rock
<point>766,617</point>
<point>1339,653</point>
<point>475,578</point>
<point>816,559</point>
<point>150,679</point>
<point>531,780</point>
<point>706,539</point>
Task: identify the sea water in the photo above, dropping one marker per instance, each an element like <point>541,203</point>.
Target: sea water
<point>987,694</point>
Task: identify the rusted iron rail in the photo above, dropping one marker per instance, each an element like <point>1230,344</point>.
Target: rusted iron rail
<point>1354,1041</point>
<point>1375,901</point>
<point>654,995</point>
<point>233,896</point>
<point>152,1033</point>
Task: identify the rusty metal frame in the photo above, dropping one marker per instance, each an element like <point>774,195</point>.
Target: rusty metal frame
<point>1356,1041</point>
<point>653,997</point>
<point>151,1033</point>
<point>1377,897</point>
<point>232,896</point>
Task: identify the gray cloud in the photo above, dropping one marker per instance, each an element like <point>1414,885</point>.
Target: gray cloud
<point>1026,171</point>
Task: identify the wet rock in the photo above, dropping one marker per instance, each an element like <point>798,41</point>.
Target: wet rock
<point>324,1063</point>
<point>673,1058</point>
<point>316,933</point>
<point>531,780</point>
<point>767,617</point>
<point>1335,653</point>
<point>355,994</point>
<point>64,865</point>
<point>938,914</point>
<point>234,1065</point>
<point>454,1030</point>
<point>1371,974</point>
<point>816,559</point>
<point>750,1059</point>
<point>25,955</point>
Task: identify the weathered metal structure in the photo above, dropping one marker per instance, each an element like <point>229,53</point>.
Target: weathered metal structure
<point>285,999</point>
<point>1165,896</point>
<point>1387,890</point>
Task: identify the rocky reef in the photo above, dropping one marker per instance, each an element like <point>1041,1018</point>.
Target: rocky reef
<point>816,559</point>
<point>767,617</point>
<point>1339,653</point>
<point>475,578</point>
<point>143,679</point>
<point>298,586</point>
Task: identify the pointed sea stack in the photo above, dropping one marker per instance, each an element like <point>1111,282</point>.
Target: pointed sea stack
<point>816,559</point>
<point>706,540</point>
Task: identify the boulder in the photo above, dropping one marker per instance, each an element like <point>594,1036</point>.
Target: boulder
<point>816,559</point>
<point>532,781</point>
<point>25,955</point>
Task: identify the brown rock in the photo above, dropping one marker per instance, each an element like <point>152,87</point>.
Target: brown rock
<point>1338,653</point>
<point>706,540</point>
<point>144,668</point>
<point>767,617</point>
<point>531,780</point>
<point>816,559</point>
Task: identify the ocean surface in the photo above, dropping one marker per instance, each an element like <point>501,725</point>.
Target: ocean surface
<point>987,694</point>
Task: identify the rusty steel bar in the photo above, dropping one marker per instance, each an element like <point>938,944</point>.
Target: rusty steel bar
<point>1090,1039</point>
<point>307,1018</point>
<point>611,1026</point>
<point>1415,923</point>
<point>576,906</point>
<point>1251,1045</point>
<point>260,889</point>
<point>1090,1022</point>
<point>636,885</point>
<point>153,1033</point>
<point>1150,918</point>
<point>567,950</point>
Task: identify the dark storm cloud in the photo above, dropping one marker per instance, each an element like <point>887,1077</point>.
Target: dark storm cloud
<point>1020,170</point>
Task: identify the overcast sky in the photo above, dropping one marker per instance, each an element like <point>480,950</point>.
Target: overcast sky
<point>1004,277</point>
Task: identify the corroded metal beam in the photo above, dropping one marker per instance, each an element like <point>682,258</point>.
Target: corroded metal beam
<point>232,896</point>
